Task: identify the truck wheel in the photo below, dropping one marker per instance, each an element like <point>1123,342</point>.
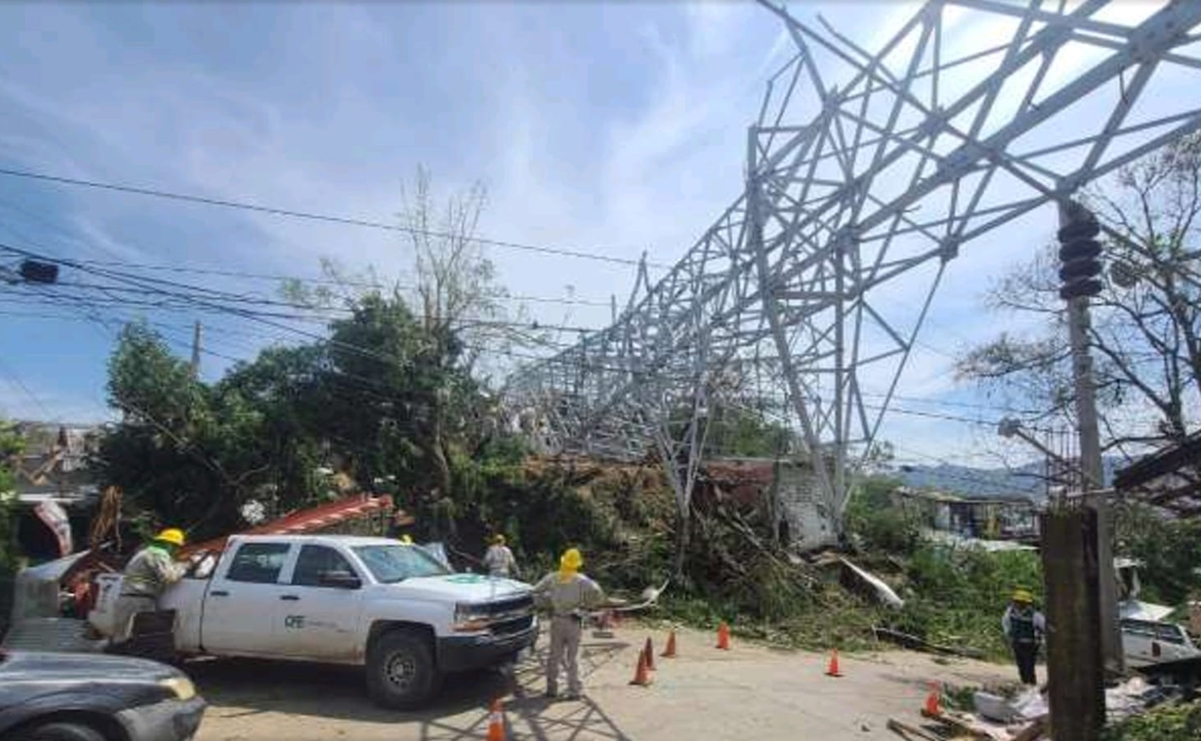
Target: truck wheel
<point>400,670</point>
<point>64,732</point>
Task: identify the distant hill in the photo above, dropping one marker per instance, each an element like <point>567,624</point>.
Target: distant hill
<point>1027,480</point>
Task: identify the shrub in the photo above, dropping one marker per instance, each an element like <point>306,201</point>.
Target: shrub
<point>1178,722</point>
<point>957,596</point>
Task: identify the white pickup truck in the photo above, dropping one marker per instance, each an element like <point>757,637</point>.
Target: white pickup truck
<point>345,600</point>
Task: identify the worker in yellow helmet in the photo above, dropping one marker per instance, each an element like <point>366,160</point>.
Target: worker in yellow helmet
<point>146,576</point>
<point>568,594</point>
<point>1024,627</point>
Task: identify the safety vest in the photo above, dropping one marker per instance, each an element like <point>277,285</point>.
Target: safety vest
<point>1021,626</point>
<point>144,572</point>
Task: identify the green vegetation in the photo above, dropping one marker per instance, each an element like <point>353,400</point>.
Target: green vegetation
<point>956,597</point>
<point>1178,722</point>
<point>10,444</point>
<point>882,527</point>
<point>1169,549</point>
<point>953,596</point>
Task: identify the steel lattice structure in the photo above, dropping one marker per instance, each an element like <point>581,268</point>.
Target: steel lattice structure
<point>814,283</point>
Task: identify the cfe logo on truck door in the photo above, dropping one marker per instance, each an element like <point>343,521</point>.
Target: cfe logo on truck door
<point>295,622</point>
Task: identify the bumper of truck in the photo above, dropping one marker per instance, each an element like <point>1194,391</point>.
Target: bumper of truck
<point>478,651</point>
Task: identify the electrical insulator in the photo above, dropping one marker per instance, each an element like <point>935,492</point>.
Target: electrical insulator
<point>1079,255</point>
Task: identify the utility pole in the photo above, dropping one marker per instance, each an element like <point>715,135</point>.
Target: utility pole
<point>1079,254</point>
<point>196,350</point>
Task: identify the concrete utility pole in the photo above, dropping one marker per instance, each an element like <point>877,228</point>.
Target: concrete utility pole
<point>196,350</point>
<point>1078,228</point>
<point>1075,671</point>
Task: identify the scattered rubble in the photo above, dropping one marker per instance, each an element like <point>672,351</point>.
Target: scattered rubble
<point>1025,716</point>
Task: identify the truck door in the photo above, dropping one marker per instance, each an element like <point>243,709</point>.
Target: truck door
<point>319,614</point>
<point>1138,642</point>
<point>239,609</point>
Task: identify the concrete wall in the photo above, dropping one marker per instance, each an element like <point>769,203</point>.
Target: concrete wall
<point>810,522</point>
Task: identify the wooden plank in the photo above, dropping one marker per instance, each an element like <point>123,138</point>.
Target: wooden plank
<point>1033,731</point>
<point>907,731</point>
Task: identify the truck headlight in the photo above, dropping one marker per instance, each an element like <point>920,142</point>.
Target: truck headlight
<point>181,687</point>
<point>469,619</point>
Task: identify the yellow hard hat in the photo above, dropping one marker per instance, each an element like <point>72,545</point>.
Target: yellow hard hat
<point>498,539</point>
<point>1022,595</point>
<point>172,535</point>
<point>571,559</point>
<point>406,540</point>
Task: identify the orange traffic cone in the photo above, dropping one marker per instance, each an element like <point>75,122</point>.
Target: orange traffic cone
<point>723,637</point>
<point>832,668</point>
<point>496,722</point>
<point>649,650</point>
<point>670,651</point>
<point>642,675</point>
<point>933,707</point>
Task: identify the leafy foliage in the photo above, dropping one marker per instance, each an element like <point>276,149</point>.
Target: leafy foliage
<point>952,596</point>
<point>1170,550</point>
<point>881,527</point>
<point>956,596</point>
<point>736,431</point>
<point>10,445</point>
<point>361,402</point>
<point>1175,722</point>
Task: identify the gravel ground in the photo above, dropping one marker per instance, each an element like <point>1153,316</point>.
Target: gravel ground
<point>749,692</point>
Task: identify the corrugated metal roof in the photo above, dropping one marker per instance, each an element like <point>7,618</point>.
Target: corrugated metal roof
<point>305,520</point>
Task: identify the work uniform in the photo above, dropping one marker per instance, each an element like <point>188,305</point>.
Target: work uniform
<point>569,596</point>
<point>499,561</point>
<point>145,577</point>
<point>1024,627</point>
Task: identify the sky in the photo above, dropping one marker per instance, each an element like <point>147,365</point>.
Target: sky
<point>611,128</point>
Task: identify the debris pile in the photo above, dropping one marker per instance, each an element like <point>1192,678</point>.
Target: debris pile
<point>1025,716</point>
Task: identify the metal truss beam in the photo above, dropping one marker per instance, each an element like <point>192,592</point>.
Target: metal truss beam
<point>808,293</point>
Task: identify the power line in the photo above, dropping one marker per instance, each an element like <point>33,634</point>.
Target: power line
<point>209,294</point>
<point>16,381</point>
<point>212,300</point>
<point>312,216</point>
<point>948,403</point>
<point>117,262</point>
<point>325,281</point>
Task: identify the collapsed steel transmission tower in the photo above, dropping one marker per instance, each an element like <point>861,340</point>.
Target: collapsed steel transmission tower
<point>813,285</point>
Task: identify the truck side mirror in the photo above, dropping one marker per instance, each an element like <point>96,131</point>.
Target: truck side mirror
<point>339,580</point>
<point>204,566</point>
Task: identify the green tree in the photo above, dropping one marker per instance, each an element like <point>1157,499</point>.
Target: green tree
<point>882,526</point>
<point>460,312</point>
<point>183,452</point>
<point>1170,550</point>
<point>745,432</point>
<point>11,444</point>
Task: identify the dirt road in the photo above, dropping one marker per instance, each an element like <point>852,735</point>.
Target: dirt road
<point>749,692</point>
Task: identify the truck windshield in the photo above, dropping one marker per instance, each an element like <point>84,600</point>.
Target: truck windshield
<point>393,563</point>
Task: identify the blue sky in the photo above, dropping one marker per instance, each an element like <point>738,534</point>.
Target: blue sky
<point>614,128</point>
